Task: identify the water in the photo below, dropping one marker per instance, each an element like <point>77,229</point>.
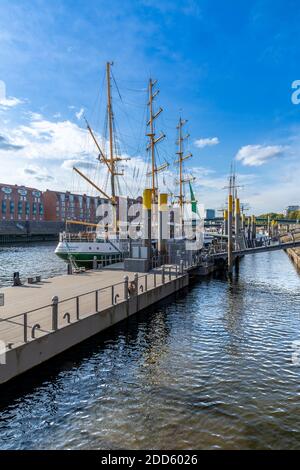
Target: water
<point>210,370</point>
<point>29,260</point>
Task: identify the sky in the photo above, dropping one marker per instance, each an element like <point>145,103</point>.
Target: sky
<point>225,67</point>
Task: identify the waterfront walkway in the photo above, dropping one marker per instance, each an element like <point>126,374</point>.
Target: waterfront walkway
<point>28,310</point>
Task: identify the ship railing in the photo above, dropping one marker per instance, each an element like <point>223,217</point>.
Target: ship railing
<point>33,324</point>
<point>76,237</point>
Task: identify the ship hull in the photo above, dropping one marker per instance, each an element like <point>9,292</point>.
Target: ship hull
<point>85,253</point>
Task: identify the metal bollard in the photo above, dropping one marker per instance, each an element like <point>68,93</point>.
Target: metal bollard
<point>55,313</point>
<point>126,280</point>
<point>16,279</point>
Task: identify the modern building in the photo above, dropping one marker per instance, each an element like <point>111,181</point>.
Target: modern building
<point>210,214</point>
<point>292,209</point>
<point>20,203</point>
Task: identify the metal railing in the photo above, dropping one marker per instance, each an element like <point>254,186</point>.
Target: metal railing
<point>61,313</point>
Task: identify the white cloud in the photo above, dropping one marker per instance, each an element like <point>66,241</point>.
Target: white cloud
<point>257,155</point>
<point>80,114</point>
<point>207,142</point>
<point>10,102</point>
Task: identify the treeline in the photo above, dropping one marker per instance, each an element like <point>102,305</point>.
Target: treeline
<point>275,215</point>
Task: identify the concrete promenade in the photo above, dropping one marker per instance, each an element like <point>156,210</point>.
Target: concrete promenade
<point>35,326</point>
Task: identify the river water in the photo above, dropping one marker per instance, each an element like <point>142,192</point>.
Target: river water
<point>211,369</point>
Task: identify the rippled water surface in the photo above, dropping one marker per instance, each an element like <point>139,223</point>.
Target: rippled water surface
<point>29,260</point>
<point>210,369</point>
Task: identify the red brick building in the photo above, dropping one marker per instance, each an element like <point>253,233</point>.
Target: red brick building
<point>61,206</point>
<point>20,203</point>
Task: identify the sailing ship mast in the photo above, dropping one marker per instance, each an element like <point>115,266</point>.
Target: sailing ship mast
<point>180,161</point>
<point>111,161</point>
<point>153,140</point>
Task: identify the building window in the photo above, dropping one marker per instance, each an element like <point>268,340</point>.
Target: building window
<point>12,207</point>
<point>4,207</point>
<point>20,207</point>
<point>27,208</point>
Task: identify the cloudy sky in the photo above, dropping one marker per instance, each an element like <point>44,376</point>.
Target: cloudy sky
<point>226,67</point>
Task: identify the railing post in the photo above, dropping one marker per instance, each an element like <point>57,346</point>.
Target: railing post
<point>126,279</point>
<point>181,266</point>
<point>95,262</point>
<point>154,279</point>
<point>136,282</point>
<point>77,308</point>
<point>112,294</point>
<point>25,328</point>
<point>96,301</point>
<point>54,313</point>
<point>163,274</point>
<point>146,282</point>
<point>176,271</point>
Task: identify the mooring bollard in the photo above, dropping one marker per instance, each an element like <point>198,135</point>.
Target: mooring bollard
<point>54,313</point>
<point>16,279</point>
<point>126,279</point>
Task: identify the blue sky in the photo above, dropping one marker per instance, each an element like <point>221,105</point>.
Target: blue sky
<point>227,67</point>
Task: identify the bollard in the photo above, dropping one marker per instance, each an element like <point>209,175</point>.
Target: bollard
<point>126,279</point>
<point>16,279</point>
<point>55,313</point>
<point>163,274</point>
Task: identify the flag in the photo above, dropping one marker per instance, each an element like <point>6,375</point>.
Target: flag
<point>193,200</point>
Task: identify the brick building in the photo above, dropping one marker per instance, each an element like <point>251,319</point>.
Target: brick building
<point>60,206</point>
<point>20,203</point>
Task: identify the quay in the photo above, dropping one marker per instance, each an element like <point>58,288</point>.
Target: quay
<point>40,321</point>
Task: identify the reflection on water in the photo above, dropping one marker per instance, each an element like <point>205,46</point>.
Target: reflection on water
<point>212,369</point>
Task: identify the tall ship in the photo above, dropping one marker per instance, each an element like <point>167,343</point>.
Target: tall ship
<point>103,244</point>
<point>90,244</point>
